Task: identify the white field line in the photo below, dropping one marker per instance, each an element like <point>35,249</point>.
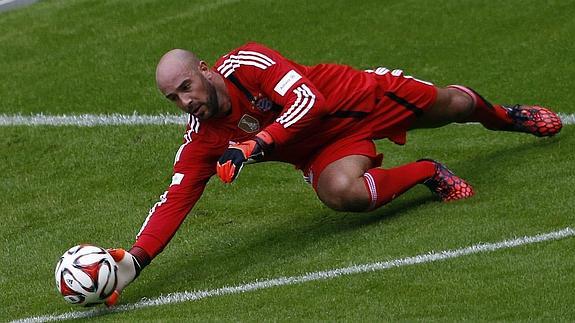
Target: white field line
<point>567,118</point>
<point>7,4</point>
<point>315,276</point>
<point>93,120</point>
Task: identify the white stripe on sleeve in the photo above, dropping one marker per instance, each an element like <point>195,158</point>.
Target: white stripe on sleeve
<point>304,102</point>
<point>248,58</point>
<point>163,199</point>
<point>265,57</point>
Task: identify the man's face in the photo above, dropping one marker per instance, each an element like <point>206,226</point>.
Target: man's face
<point>190,91</point>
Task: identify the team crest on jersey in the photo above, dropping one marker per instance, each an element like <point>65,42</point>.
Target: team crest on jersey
<point>262,103</point>
<point>249,124</point>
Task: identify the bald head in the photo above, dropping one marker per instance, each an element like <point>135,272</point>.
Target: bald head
<point>188,82</point>
<point>173,64</point>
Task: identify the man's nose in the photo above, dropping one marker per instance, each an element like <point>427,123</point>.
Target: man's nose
<point>185,101</point>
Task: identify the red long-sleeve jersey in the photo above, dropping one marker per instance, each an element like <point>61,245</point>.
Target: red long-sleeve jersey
<point>301,107</point>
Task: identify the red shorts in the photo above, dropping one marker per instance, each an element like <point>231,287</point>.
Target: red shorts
<point>401,100</point>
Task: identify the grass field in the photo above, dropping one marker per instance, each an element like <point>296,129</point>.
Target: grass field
<point>64,185</point>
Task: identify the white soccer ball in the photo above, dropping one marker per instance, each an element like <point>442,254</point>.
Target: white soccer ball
<point>86,275</point>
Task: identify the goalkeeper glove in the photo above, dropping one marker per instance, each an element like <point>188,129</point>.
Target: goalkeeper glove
<point>128,269</point>
<point>233,159</point>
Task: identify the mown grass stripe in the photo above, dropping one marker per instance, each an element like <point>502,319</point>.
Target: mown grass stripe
<point>180,297</point>
<point>94,120</point>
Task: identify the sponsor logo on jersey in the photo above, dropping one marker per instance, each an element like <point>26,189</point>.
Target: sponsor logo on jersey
<point>287,82</point>
<point>249,124</point>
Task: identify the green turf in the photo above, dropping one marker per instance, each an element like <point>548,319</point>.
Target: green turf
<point>96,187</point>
<point>474,288</point>
<point>62,186</point>
<point>100,56</point>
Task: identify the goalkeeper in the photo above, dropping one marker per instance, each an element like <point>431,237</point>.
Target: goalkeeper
<point>255,104</point>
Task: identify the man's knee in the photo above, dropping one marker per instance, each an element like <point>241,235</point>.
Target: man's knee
<point>459,104</point>
<point>342,193</point>
<point>341,185</point>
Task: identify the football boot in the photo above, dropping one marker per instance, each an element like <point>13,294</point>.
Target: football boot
<point>535,120</point>
<point>448,186</point>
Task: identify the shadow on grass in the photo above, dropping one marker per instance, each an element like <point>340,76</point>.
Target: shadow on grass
<point>280,241</point>
<point>277,242</point>
<point>516,154</point>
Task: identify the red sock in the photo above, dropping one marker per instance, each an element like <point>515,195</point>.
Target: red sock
<point>384,185</point>
<point>492,117</point>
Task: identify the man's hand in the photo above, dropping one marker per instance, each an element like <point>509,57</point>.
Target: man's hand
<point>128,270</point>
<point>233,159</point>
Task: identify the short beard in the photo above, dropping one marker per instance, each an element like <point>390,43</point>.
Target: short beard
<point>212,103</point>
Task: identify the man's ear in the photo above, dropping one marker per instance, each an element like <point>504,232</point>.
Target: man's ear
<point>203,66</point>
<point>205,69</point>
